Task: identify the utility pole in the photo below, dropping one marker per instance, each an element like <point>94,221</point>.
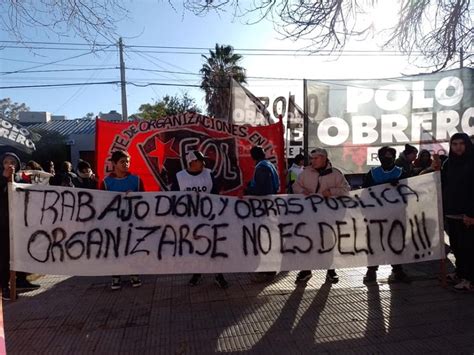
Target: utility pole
<point>461,58</point>
<point>122,83</point>
<point>305,123</point>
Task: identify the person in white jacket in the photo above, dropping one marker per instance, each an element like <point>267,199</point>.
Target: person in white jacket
<point>320,177</point>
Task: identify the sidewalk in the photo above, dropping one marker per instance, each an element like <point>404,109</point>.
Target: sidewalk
<point>166,316</point>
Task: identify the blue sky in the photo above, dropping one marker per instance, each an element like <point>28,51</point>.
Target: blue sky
<point>157,24</point>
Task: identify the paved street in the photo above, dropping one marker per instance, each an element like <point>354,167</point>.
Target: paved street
<point>166,316</point>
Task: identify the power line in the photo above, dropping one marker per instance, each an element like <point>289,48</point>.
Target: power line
<point>81,89</point>
<point>59,85</point>
<point>53,62</point>
<point>181,48</point>
<point>255,52</point>
<point>263,78</point>
<point>59,44</point>
<point>62,70</point>
<point>33,62</point>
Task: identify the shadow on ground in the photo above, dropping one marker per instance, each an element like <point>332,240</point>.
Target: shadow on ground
<point>165,315</point>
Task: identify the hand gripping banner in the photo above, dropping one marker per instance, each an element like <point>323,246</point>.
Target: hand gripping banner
<point>158,148</point>
<point>58,230</point>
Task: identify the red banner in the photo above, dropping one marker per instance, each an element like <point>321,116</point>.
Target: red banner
<point>158,149</point>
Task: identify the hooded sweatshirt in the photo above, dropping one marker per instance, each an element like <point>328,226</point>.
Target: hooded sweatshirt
<point>4,220</point>
<point>4,187</point>
<point>457,178</point>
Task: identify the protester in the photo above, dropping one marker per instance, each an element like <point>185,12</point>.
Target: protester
<point>48,166</point>
<point>457,176</point>
<point>65,176</point>
<point>387,172</point>
<point>405,160</point>
<point>85,177</point>
<point>31,165</point>
<point>423,161</point>
<point>265,181</point>
<point>320,177</point>
<point>10,165</point>
<point>22,282</point>
<point>295,170</point>
<point>196,177</point>
<point>436,164</point>
<point>122,180</point>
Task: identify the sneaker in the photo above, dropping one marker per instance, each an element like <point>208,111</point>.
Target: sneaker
<point>399,276</point>
<point>303,276</point>
<point>221,282</point>
<point>6,294</point>
<point>332,277</point>
<point>464,286</point>
<point>116,283</point>
<point>135,281</point>
<point>370,276</point>
<point>26,285</point>
<point>197,278</point>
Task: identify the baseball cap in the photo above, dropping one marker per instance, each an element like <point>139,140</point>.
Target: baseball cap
<point>194,155</point>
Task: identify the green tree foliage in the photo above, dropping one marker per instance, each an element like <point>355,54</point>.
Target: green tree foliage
<point>167,106</point>
<point>220,66</point>
<point>89,116</point>
<point>11,110</point>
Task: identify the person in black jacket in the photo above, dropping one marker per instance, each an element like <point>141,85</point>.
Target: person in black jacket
<point>10,165</point>
<point>65,176</point>
<point>85,177</point>
<point>387,172</point>
<point>457,178</point>
<point>406,159</point>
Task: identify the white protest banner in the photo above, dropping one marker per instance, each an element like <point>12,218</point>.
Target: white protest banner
<point>58,230</point>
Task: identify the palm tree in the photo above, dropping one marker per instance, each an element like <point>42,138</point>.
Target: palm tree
<point>219,68</point>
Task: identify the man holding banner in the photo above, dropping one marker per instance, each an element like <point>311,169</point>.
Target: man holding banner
<point>387,172</point>
<point>123,181</point>
<point>320,178</point>
<point>200,179</point>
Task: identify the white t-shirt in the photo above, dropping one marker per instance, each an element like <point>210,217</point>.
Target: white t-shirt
<point>200,183</point>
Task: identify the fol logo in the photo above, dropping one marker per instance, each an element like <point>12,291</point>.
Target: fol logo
<point>165,153</point>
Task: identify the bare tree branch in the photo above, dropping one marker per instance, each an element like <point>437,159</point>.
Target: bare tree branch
<point>88,19</point>
<point>436,28</point>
